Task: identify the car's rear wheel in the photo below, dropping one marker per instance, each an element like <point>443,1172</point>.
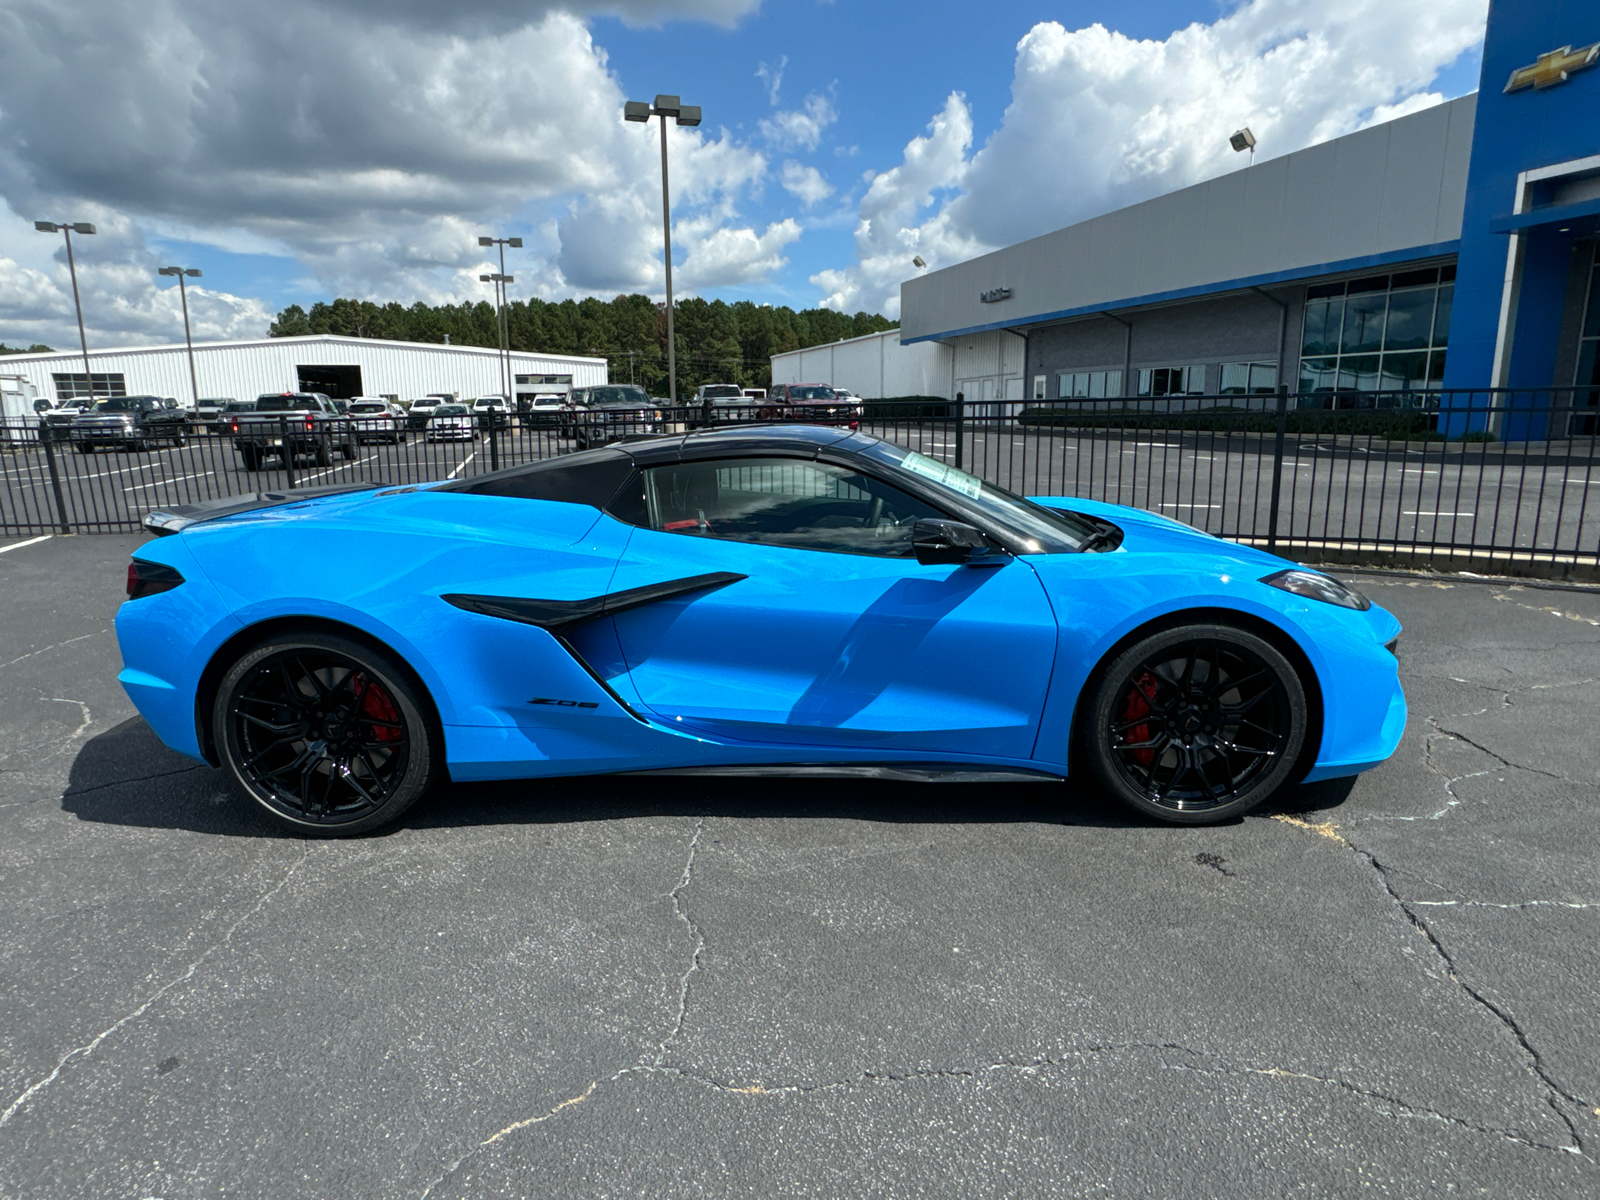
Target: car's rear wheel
<point>328,735</point>
<point>250,457</point>
<point>1196,724</point>
<point>85,448</point>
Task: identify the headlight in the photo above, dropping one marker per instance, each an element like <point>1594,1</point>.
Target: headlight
<point>1313,585</point>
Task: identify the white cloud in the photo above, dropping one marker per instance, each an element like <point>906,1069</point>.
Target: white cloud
<point>372,142</point>
<point>1098,120</point>
<point>773,78</point>
<point>800,127</point>
<point>805,183</point>
<point>124,302</point>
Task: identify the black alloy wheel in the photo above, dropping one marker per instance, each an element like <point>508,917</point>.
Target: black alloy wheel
<point>326,734</point>
<point>1196,724</point>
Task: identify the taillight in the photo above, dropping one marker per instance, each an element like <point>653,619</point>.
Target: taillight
<point>236,427</point>
<point>147,578</point>
<point>310,424</point>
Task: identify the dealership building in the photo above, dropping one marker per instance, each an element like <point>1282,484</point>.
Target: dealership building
<point>340,367</point>
<point>1451,248</point>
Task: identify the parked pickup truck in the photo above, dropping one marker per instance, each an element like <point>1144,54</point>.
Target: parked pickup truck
<point>288,424</point>
<point>131,422</point>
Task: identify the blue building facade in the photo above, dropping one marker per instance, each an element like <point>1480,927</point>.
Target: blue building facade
<point>1526,268</point>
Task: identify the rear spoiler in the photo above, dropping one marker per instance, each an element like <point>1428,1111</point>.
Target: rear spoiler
<point>164,521</point>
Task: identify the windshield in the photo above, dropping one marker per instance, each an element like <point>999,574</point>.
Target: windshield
<point>608,397</point>
<point>368,408</point>
<point>811,393</point>
<point>286,404</point>
<point>1035,528</point>
<point>241,406</point>
<point>119,404</point>
<point>450,410</point>
<point>723,391</point>
<point>425,402</point>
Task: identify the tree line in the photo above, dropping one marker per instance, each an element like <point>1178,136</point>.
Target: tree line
<point>716,342</point>
<point>36,348</point>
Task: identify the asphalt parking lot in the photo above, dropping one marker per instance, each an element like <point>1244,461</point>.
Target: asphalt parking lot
<point>756,988</point>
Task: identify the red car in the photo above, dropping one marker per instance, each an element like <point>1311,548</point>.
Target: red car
<point>813,403</point>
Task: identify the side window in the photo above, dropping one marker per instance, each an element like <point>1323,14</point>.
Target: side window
<point>784,502</point>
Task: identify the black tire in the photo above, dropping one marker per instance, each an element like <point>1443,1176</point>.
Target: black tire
<point>251,457</point>
<point>330,736</point>
<point>348,450</point>
<point>324,453</point>
<point>1196,724</point>
<point>85,448</point>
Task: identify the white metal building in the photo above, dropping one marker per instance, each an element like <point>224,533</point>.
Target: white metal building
<point>339,366</point>
<point>875,366</point>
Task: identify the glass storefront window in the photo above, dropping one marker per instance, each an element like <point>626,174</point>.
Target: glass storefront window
<point>1404,372</point>
<point>1380,332</point>
<point>1358,372</point>
<point>1319,374</point>
<point>1171,381</point>
<point>1363,323</point>
<point>1441,315</point>
<point>1324,319</point>
<point>1410,325</point>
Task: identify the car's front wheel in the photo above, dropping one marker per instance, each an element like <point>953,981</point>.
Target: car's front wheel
<point>328,735</point>
<point>1196,724</point>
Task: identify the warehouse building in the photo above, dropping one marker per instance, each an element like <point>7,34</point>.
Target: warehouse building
<point>1452,248</point>
<point>873,366</point>
<point>340,367</point>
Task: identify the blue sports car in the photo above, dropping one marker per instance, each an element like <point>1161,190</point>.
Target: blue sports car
<point>760,600</point>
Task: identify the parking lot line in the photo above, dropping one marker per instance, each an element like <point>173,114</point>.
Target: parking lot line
<point>30,542</point>
<point>340,467</point>
<point>175,479</point>
<point>462,465</point>
<point>1428,512</point>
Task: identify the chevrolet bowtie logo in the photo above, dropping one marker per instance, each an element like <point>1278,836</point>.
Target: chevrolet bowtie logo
<point>1553,68</point>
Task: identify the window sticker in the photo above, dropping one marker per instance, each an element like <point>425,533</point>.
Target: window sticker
<point>932,468</point>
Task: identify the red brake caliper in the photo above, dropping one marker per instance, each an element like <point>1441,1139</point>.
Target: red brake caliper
<point>1137,706</point>
<point>379,707</point>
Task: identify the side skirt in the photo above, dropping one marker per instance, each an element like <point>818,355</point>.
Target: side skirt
<point>907,772</point>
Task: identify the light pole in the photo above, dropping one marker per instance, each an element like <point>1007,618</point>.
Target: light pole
<point>500,282</point>
<point>502,324</point>
<point>684,114</point>
<point>68,229</point>
<point>183,293</point>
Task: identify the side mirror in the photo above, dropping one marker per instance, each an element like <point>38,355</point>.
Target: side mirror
<point>952,543</point>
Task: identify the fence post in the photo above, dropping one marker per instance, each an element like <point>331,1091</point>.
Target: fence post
<point>1277,464</point>
<point>47,437</point>
<point>288,450</point>
<point>494,442</point>
<point>961,408</point>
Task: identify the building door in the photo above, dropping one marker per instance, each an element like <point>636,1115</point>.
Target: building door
<point>337,383</point>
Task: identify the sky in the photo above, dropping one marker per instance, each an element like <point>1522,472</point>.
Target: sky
<point>309,149</point>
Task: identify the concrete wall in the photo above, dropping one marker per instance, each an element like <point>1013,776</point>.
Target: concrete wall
<point>1360,200</point>
<point>874,366</point>
<point>244,370</point>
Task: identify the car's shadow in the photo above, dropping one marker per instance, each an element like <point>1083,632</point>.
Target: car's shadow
<point>125,776</point>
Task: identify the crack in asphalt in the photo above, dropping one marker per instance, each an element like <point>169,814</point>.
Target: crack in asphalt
<point>1552,1088</point>
<point>1206,1064</point>
<point>663,1048</point>
<point>100,787</point>
<point>89,1047</point>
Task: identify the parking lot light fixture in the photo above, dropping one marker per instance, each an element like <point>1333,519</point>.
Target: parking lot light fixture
<point>687,115</point>
<point>183,292</point>
<point>67,229</point>
<point>1243,140</point>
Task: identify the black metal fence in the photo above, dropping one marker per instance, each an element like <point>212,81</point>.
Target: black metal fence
<point>1494,481</point>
